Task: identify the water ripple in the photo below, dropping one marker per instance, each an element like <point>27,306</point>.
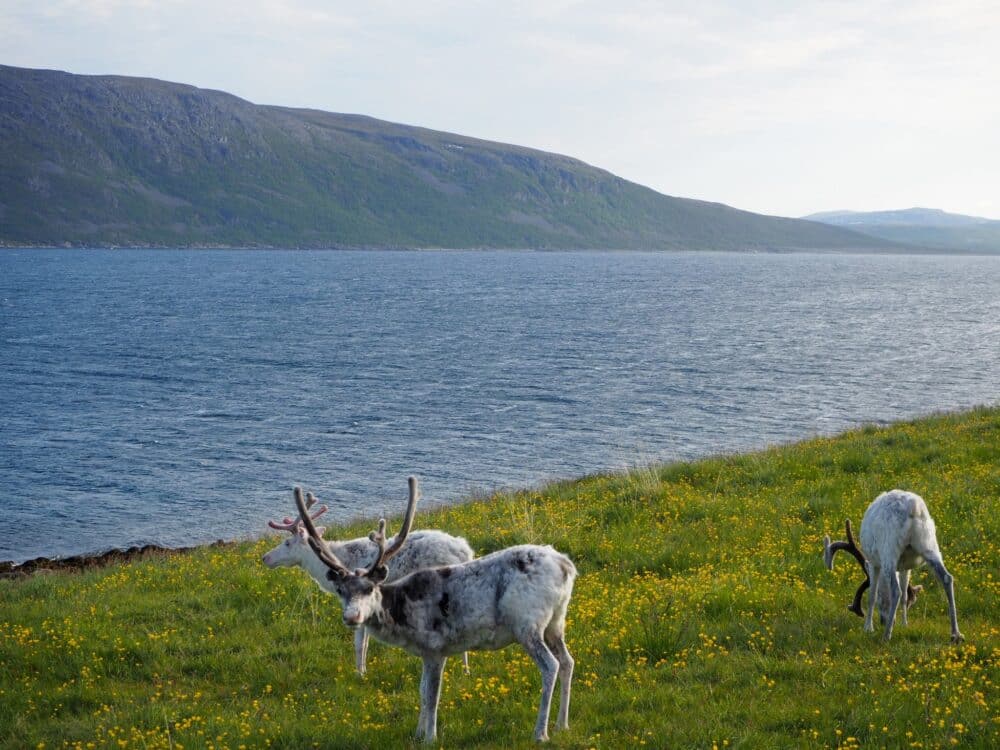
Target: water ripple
<point>174,397</point>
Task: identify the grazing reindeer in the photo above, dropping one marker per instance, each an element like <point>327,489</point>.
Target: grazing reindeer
<point>831,548</point>
<point>897,535</point>
<point>519,594</point>
<point>425,549</point>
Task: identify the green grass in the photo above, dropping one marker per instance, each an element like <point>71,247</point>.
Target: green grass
<point>703,616</point>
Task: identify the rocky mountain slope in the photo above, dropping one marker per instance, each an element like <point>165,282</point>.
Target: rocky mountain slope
<point>109,160</point>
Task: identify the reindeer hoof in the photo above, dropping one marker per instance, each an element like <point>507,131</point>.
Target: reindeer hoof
<point>957,638</point>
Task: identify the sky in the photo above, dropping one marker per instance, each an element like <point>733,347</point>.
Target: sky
<point>784,108</point>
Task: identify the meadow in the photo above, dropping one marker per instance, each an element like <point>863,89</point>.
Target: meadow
<point>702,617</point>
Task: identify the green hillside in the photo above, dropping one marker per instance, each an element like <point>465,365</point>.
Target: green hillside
<point>702,618</point>
<point>982,238</point>
<point>921,227</point>
<point>108,160</point>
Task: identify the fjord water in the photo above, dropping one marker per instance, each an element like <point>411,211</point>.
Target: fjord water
<point>174,397</point>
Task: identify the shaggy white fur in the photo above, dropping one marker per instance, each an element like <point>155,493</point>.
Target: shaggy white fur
<point>897,535</point>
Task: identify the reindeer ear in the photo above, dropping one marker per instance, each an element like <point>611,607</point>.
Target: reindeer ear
<point>321,530</point>
<point>378,574</point>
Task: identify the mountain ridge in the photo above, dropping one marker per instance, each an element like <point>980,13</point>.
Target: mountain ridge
<point>927,227</point>
<point>117,160</point>
<point>916,216</point>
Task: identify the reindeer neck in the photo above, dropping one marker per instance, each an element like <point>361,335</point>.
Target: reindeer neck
<point>316,568</point>
<point>386,617</point>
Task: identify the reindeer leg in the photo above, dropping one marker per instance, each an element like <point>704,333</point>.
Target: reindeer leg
<point>534,644</point>
<point>948,582</point>
<point>557,645</point>
<point>360,649</point>
<point>465,662</point>
<point>422,719</point>
<point>873,575</point>
<point>430,694</point>
<point>904,586</point>
<point>895,594</point>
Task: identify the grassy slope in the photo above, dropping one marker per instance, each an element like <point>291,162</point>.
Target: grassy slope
<point>116,160</point>
<point>703,615</point>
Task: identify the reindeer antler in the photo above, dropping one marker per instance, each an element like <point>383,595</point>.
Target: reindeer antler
<point>384,555</point>
<point>315,541</point>
<point>292,525</point>
<point>849,546</point>
<point>829,549</point>
<point>378,536</point>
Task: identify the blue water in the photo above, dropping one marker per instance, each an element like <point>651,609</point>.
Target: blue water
<point>175,396</point>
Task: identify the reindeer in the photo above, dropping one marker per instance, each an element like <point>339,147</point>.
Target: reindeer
<point>519,594</point>
<point>897,535</point>
<point>831,548</point>
<point>425,549</point>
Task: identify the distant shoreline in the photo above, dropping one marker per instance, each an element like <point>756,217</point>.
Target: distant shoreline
<point>393,248</point>
<point>90,560</point>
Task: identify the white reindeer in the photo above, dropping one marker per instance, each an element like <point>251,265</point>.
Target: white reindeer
<point>519,594</point>
<point>831,548</point>
<point>425,549</point>
<point>897,535</point>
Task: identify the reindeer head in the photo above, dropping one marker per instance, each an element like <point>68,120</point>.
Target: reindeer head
<point>291,552</point>
<point>359,590</point>
<point>831,548</point>
<point>883,600</point>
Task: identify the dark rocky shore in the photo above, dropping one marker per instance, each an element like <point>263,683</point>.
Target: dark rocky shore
<point>43,565</point>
